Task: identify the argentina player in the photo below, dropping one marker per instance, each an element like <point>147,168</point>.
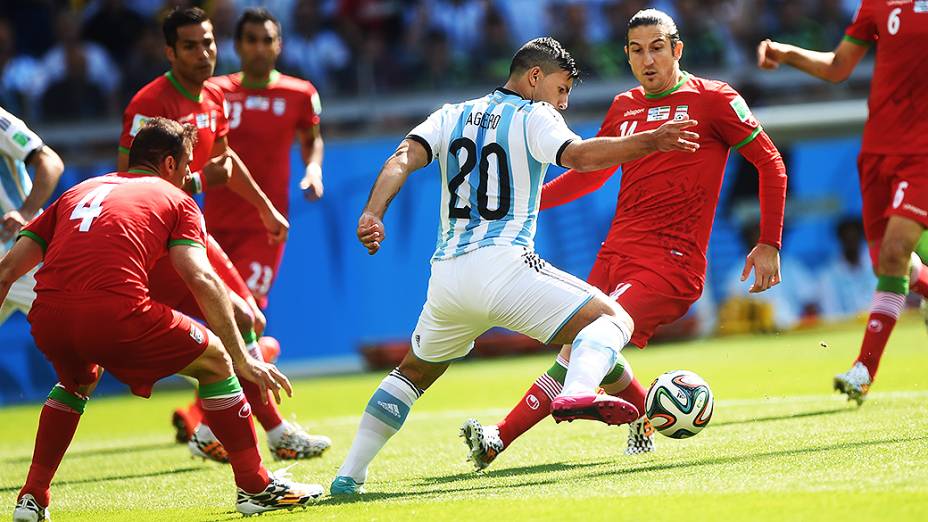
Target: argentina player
<point>493,153</point>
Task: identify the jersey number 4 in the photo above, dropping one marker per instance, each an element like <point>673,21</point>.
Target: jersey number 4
<point>89,207</point>
<point>502,174</point>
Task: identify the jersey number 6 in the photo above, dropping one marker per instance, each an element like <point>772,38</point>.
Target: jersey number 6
<point>502,171</point>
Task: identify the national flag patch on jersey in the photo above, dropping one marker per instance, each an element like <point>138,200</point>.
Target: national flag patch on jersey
<point>681,113</point>
<point>659,113</point>
<point>741,108</point>
<point>138,121</point>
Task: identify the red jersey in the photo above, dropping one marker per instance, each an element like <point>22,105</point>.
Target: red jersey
<point>167,98</point>
<point>898,122</point>
<point>263,121</point>
<point>102,236</point>
<point>667,201</point>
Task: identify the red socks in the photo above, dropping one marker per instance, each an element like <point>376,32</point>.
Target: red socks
<point>535,404</point>
<point>884,312</point>
<point>267,414</point>
<point>229,416</point>
<point>57,425</point>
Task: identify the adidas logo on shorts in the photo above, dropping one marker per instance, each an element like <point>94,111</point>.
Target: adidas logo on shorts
<point>390,407</point>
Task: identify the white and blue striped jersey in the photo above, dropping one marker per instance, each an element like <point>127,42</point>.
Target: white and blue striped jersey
<point>493,153</point>
<point>16,143</point>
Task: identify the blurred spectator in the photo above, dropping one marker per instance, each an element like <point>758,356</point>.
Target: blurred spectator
<point>706,43</point>
<point>72,96</point>
<point>572,30</point>
<point>527,18</point>
<point>792,303</point>
<point>19,75</point>
<point>78,62</point>
<point>114,26</point>
<point>495,50</point>
<point>315,52</point>
<point>223,14</point>
<point>359,19</point>
<point>460,21</point>
<point>795,26</point>
<point>609,54</point>
<point>438,70</point>
<point>146,62</point>
<point>33,20</point>
<point>847,282</point>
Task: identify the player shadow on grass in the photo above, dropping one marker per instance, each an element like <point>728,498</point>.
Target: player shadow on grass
<point>783,417</point>
<point>506,472</point>
<point>97,452</point>
<point>427,494</point>
<point>128,476</point>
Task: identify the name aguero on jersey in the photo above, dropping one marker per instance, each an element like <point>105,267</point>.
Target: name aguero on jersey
<point>483,120</point>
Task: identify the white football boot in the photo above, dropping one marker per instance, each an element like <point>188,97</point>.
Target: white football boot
<point>28,510</point>
<point>280,493</point>
<point>855,383</point>
<point>205,445</point>
<point>640,436</point>
<point>294,444</point>
<point>482,441</point>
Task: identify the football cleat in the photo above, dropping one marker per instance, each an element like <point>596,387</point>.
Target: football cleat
<point>345,486</point>
<point>28,510</point>
<point>295,444</point>
<point>280,493</point>
<point>855,383</point>
<point>640,436</point>
<point>484,443</point>
<point>205,445</point>
<point>600,407</point>
<point>185,422</point>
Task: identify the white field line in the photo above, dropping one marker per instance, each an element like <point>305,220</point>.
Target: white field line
<point>494,414</point>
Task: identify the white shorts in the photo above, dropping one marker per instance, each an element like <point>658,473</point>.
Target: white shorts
<point>504,286</point>
<point>20,297</point>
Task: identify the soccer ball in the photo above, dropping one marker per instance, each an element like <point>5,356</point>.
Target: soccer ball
<point>679,404</point>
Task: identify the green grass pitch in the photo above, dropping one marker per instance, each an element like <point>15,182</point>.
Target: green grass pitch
<point>781,446</point>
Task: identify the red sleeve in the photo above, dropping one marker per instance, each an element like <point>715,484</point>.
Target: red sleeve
<point>733,122</point>
<point>226,270</point>
<point>190,228</point>
<point>863,28</point>
<point>138,111</point>
<point>763,154</point>
<point>572,185</point>
<point>310,109</point>
<point>42,227</point>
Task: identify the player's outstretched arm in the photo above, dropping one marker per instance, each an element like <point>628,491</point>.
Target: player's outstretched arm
<point>764,258</point>
<point>602,152</point>
<point>48,169</point>
<point>834,67</point>
<point>23,257</point>
<point>408,157</point>
<point>192,264</point>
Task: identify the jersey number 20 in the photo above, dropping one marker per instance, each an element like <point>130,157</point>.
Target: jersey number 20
<point>502,170</point>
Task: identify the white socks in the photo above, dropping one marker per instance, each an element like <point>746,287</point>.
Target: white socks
<point>383,416</point>
<point>594,354</point>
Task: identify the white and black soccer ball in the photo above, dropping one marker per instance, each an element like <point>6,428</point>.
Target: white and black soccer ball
<point>679,404</point>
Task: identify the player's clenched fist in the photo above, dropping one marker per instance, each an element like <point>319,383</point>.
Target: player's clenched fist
<point>371,232</point>
<point>673,136</point>
<point>769,54</point>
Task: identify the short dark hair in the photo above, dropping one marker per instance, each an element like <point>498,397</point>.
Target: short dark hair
<point>647,17</point>
<point>254,15</point>
<point>161,137</point>
<point>181,17</point>
<point>546,53</point>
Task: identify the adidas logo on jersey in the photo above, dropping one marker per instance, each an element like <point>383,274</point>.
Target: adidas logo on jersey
<point>390,407</point>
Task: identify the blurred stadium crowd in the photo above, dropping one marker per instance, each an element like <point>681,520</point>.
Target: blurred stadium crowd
<point>68,60</point>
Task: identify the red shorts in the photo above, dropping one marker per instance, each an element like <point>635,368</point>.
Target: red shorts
<point>254,258</point>
<point>892,186</point>
<point>649,298</point>
<point>138,344</point>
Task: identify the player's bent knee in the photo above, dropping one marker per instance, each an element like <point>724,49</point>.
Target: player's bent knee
<point>895,254</point>
<point>212,365</point>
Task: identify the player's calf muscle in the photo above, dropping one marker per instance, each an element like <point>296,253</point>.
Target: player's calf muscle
<point>212,365</point>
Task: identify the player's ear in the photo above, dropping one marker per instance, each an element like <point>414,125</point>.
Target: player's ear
<point>535,74</point>
<point>678,50</point>
<point>169,53</point>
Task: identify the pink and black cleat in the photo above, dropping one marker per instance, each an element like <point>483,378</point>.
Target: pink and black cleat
<point>600,407</point>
